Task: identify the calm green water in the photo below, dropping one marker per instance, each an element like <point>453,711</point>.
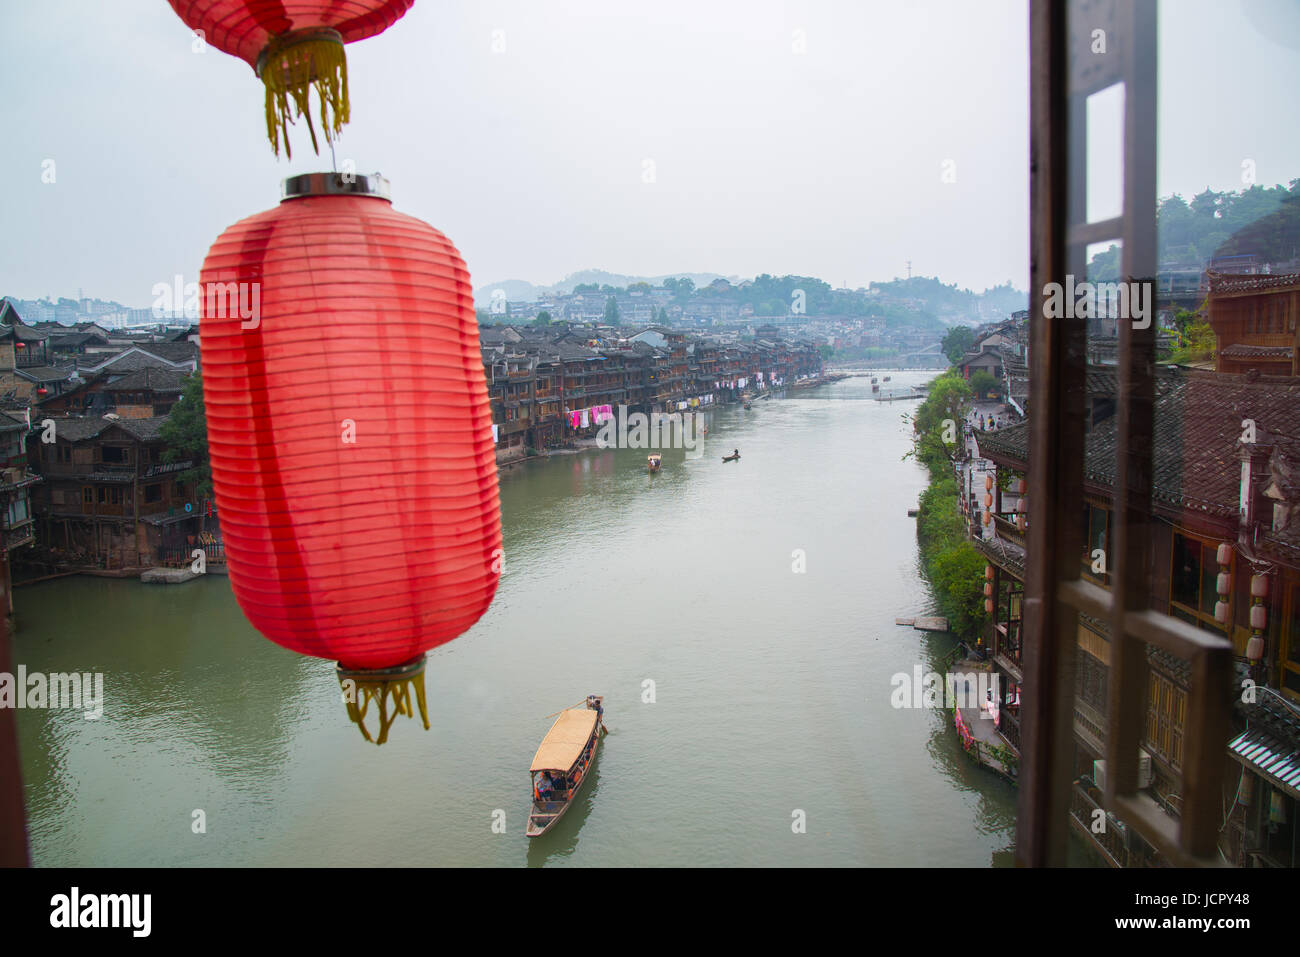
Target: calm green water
<point>771,688</point>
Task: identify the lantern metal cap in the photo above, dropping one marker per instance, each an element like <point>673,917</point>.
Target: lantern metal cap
<point>335,184</point>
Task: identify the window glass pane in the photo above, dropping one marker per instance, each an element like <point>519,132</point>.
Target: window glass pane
<point>1096,529</point>
<point>1106,153</point>
<point>1209,580</point>
<point>1186,574</point>
<point>1293,628</point>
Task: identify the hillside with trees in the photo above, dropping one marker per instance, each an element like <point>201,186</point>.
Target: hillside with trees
<point>1261,221</point>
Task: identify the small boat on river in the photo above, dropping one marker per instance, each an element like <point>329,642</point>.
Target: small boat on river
<point>731,458</point>
<point>654,463</point>
<point>563,762</point>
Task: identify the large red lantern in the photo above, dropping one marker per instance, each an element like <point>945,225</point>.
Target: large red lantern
<point>295,46</point>
<point>360,524</point>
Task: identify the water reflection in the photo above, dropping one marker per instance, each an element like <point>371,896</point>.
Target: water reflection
<point>561,841</point>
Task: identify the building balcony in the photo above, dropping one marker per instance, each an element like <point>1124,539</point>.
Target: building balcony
<point>164,468</point>
<point>1111,842</point>
<point>1007,530</point>
<point>16,478</point>
<point>22,533</point>
<point>1009,728</point>
<point>1090,726</point>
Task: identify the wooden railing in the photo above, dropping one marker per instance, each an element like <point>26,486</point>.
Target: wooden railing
<point>1009,728</point>
<point>1089,815</point>
<point>181,556</point>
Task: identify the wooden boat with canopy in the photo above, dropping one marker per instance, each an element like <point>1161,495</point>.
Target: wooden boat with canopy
<point>654,462</point>
<point>563,762</point>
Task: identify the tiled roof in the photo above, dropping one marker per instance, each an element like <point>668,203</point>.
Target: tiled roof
<point>1224,283</point>
<point>74,339</point>
<point>78,428</point>
<point>27,333</point>
<point>1102,380</point>
<point>1241,350</point>
<point>159,380</point>
<point>146,355</point>
<point>171,351</point>
<point>1198,418</point>
<point>146,430</point>
<point>1006,554</point>
<point>45,373</point>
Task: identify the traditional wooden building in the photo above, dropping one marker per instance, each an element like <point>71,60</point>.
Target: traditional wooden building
<point>1254,322</point>
<point>108,498</point>
<point>1226,559</point>
<point>144,393</point>
<point>17,521</point>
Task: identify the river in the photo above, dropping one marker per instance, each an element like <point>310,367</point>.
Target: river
<point>771,687</point>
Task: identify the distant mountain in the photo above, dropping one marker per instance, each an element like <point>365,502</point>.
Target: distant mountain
<point>602,278</point>
<point>1273,238</point>
<point>519,290</point>
<point>953,305</point>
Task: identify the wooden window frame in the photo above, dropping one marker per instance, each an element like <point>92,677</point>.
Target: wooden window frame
<point>1202,617</point>
<point>1062,75</point>
<point>1290,641</point>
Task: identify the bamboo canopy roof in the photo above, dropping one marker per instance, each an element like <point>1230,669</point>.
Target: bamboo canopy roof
<point>563,744</point>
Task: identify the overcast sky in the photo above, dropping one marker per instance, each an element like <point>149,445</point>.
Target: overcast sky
<point>533,158</point>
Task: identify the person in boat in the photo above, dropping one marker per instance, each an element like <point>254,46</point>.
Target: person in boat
<point>736,452</point>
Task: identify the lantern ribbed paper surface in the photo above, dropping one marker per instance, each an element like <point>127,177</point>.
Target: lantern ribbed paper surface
<point>349,430</point>
<point>243,28</point>
<point>296,48</point>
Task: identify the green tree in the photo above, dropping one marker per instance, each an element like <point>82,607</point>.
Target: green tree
<point>826,352</point>
<point>954,566</point>
<point>1194,339</point>
<point>611,310</point>
<point>939,418</point>
<point>662,318</point>
<point>543,319</point>
<point>957,342</point>
<point>680,288</point>
<point>983,382</point>
<point>185,434</point>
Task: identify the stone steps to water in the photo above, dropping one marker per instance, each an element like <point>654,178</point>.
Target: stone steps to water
<point>168,576</point>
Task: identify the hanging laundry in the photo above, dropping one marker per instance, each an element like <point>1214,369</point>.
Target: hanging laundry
<point>585,422</point>
<point>495,433</point>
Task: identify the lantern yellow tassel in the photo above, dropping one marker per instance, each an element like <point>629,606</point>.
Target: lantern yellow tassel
<point>361,687</point>
<point>291,66</point>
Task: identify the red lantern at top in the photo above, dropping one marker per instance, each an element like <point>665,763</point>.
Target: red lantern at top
<point>359,527</point>
<point>295,46</point>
